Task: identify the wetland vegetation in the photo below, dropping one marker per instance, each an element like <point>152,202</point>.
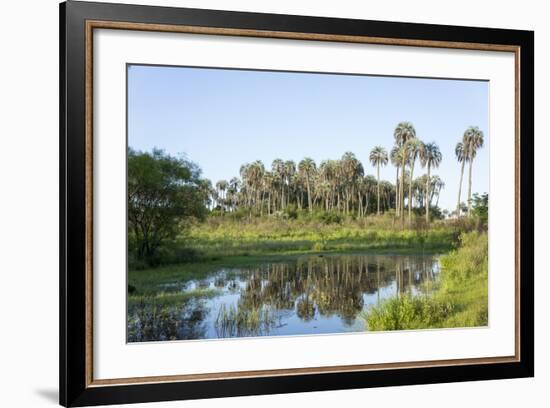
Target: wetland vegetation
<point>301,248</point>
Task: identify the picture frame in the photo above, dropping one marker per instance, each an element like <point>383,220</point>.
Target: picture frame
<point>79,21</point>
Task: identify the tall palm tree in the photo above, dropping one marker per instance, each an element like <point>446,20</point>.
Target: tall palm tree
<point>232,191</point>
<point>378,157</point>
<point>413,148</point>
<point>461,154</point>
<point>221,187</point>
<point>473,140</point>
<point>307,169</point>
<point>438,186</point>
<point>396,158</point>
<point>290,172</point>
<point>430,156</point>
<point>278,169</point>
<point>351,169</point>
<point>268,185</point>
<point>327,173</point>
<point>256,174</point>
<point>402,133</point>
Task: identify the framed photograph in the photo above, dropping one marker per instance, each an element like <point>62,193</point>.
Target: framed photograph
<point>256,203</point>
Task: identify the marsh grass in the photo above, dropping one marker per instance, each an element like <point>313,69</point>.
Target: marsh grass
<point>235,321</point>
<point>460,300</point>
<point>167,315</point>
<point>229,237</point>
<point>165,299</point>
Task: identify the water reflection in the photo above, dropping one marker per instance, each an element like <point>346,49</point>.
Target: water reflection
<point>307,295</point>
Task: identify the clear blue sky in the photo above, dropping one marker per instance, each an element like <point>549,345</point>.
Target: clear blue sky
<point>221,119</point>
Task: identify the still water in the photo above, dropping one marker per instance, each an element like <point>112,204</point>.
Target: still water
<point>306,295</point>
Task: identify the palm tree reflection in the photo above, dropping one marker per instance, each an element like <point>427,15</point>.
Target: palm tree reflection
<point>317,287</point>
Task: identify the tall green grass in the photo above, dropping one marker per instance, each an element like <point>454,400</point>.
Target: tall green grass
<point>235,321</point>
<point>230,237</point>
<point>461,300</point>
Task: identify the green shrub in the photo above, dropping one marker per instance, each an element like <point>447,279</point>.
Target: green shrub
<point>330,217</point>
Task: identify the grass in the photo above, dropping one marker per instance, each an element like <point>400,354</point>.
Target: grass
<point>170,298</point>
<point>461,300</point>
<point>221,237</point>
<point>234,321</point>
<point>228,242</point>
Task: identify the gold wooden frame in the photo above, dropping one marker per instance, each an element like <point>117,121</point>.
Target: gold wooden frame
<point>98,24</point>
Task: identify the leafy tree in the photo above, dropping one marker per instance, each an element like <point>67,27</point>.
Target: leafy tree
<point>164,193</point>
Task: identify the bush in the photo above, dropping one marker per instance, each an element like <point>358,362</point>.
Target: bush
<point>171,253</point>
<point>291,212</point>
<point>330,217</point>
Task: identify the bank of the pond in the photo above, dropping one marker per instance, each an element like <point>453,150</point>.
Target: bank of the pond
<point>228,244</point>
<point>147,281</point>
<point>461,299</point>
<point>157,284</point>
<point>263,238</point>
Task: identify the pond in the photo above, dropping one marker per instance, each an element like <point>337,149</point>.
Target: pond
<point>304,295</point>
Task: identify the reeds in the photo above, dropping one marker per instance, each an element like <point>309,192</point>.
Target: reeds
<point>235,321</point>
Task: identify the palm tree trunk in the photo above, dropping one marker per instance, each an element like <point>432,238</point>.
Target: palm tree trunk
<point>308,194</point>
<point>397,192</point>
<point>402,192</point>
<point>410,191</point>
<point>378,189</point>
<point>460,190</point>
<point>428,195</point>
<point>283,197</point>
<point>470,189</point>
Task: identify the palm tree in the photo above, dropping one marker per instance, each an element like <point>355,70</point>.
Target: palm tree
<point>473,140</point>
<point>396,158</point>
<point>461,154</point>
<point>221,187</point>
<point>327,173</point>
<point>438,186</point>
<point>307,168</point>
<point>232,191</point>
<point>378,157</point>
<point>402,133</point>
<point>278,169</point>
<point>269,187</point>
<point>256,175</point>
<point>290,171</point>
<point>430,156</point>
<point>413,148</point>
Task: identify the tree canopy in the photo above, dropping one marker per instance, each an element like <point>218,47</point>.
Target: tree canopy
<point>164,193</point>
